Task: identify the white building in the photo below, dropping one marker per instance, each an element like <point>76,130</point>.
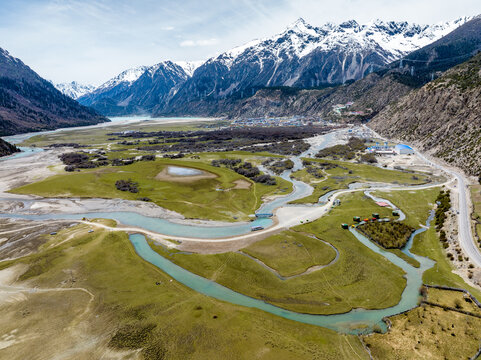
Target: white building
<point>402,149</point>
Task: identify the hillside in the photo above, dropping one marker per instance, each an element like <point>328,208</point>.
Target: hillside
<point>441,117</point>
<point>368,95</point>
<point>441,55</point>
<point>30,103</point>
<point>7,148</point>
<point>139,90</point>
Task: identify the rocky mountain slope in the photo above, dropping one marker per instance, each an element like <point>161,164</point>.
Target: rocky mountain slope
<point>30,103</point>
<point>441,55</point>
<point>139,90</point>
<point>442,117</point>
<point>7,148</point>
<point>74,89</point>
<point>366,97</point>
<point>304,56</point>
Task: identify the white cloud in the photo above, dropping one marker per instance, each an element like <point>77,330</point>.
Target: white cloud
<point>168,28</point>
<point>202,42</point>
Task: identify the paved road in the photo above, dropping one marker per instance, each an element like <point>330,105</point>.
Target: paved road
<point>465,235</point>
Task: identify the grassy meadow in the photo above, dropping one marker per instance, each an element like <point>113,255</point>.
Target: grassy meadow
<point>291,253</point>
<point>347,172</point>
<point>353,281</point>
<point>197,199</point>
<point>139,312</point>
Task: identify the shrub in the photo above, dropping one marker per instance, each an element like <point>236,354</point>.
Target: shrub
<point>368,158</point>
<point>147,158</point>
<point>73,158</point>
<point>127,185</point>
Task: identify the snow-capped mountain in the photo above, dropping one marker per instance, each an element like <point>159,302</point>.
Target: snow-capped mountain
<point>74,89</point>
<point>307,56</point>
<point>302,56</point>
<point>124,79</point>
<point>189,66</point>
<point>138,90</point>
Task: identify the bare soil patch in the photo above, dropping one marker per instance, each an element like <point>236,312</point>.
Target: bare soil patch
<point>242,184</point>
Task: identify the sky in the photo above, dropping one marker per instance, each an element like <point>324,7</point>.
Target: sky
<point>91,41</point>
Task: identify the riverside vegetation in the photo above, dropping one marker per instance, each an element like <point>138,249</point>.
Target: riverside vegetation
<point>388,234</point>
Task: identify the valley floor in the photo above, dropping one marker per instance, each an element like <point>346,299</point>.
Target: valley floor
<point>84,292</point>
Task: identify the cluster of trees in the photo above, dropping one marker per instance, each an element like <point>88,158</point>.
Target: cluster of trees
<point>295,147</point>
<point>245,169</point>
<point>314,172</point>
<point>122,162</point>
<point>59,145</point>
<point>127,185</point>
<point>77,160</point>
<point>280,140</point>
<point>388,234</point>
<point>230,163</point>
<point>137,142</point>
<point>346,151</point>
<point>278,167</point>
<point>80,160</point>
<point>314,167</point>
<point>266,134</point>
<point>443,239</point>
<point>369,158</point>
<point>174,156</point>
<point>443,202</point>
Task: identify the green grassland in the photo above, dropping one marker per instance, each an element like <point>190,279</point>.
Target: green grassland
<point>428,332</point>
<point>197,199</point>
<point>453,299</point>
<point>416,205</point>
<point>353,281</point>
<point>291,253</point>
<point>138,307</point>
<point>348,172</point>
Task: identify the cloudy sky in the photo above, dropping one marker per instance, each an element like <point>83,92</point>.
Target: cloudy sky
<point>93,40</point>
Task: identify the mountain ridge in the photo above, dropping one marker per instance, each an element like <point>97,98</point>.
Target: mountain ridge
<point>31,103</point>
<point>74,89</point>
<point>301,56</point>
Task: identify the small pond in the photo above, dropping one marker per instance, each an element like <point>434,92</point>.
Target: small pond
<point>182,171</point>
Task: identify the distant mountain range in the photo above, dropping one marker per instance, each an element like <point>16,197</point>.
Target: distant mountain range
<point>369,95</point>
<point>74,89</point>
<point>302,56</point>
<point>30,103</point>
<point>139,90</point>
